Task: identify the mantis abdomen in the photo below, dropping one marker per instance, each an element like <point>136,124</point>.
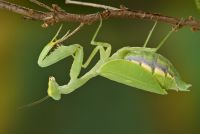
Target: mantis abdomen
<point>144,69</point>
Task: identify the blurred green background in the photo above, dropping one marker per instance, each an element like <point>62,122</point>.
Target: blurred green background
<point>101,106</point>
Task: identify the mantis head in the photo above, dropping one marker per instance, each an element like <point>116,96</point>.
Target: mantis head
<point>53,89</point>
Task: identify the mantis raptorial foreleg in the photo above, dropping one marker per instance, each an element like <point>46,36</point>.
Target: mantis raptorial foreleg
<point>60,53</point>
<point>77,63</point>
<point>46,58</point>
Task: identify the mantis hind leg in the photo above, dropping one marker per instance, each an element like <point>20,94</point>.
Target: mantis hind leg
<point>168,35</point>
<point>164,39</point>
<point>149,35</point>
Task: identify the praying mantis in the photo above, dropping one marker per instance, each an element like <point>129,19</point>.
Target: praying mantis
<point>139,67</point>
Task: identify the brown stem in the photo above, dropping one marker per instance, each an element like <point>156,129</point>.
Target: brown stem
<point>41,4</point>
<point>56,16</point>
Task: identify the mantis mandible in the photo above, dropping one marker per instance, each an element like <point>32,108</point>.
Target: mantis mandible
<point>138,67</point>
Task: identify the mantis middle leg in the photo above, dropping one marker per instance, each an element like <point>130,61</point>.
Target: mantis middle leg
<point>100,46</point>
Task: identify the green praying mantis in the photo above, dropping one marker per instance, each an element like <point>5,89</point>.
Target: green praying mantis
<point>139,67</point>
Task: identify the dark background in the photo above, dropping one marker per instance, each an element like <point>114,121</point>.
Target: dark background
<point>101,106</point>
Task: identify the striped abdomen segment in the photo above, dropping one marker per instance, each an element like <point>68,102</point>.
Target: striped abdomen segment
<point>159,66</point>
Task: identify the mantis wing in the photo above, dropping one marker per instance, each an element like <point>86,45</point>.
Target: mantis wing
<point>130,74</point>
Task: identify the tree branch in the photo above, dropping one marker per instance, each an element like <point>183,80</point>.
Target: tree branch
<point>59,15</point>
<point>90,4</point>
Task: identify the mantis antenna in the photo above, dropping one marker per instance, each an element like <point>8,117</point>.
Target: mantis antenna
<point>34,103</point>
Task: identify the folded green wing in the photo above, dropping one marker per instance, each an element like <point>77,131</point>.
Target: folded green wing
<point>131,74</point>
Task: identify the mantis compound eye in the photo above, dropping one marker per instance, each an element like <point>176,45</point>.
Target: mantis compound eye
<point>53,89</point>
